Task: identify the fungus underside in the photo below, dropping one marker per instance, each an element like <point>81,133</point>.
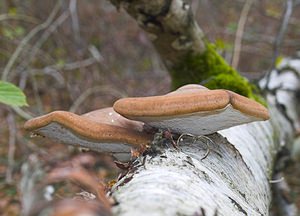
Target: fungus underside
<point>212,71</point>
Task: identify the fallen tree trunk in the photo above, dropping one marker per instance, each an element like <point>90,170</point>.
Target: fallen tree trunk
<point>234,179</point>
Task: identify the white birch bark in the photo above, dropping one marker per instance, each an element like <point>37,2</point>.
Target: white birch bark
<point>170,26</point>
<point>235,177</point>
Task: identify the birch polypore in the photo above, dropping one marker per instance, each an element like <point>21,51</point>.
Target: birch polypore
<point>101,130</point>
<point>235,177</point>
<point>193,109</point>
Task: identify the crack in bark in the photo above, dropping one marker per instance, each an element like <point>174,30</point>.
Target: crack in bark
<point>239,207</point>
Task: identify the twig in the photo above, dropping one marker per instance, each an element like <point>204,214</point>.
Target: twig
<point>279,38</point>
<point>52,27</point>
<point>34,50</point>
<point>108,89</point>
<point>4,17</point>
<point>37,46</point>
<point>96,53</point>
<point>282,31</point>
<point>53,70</point>
<point>22,113</point>
<point>75,20</point>
<point>255,37</point>
<point>31,173</point>
<point>26,39</point>
<point>11,146</point>
<point>37,97</point>
<point>79,64</point>
<point>274,181</point>
<point>67,66</point>
<point>282,196</point>
<point>239,33</point>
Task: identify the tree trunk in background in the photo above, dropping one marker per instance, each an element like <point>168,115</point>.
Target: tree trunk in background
<point>172,30</point>
<point>170,26</point>
<point>235,177</point>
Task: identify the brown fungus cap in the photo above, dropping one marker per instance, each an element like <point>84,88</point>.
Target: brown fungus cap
<point>193,109</point>
<point>101,130</point>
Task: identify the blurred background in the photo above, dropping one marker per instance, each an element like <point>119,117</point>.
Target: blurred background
<point>83,55</point>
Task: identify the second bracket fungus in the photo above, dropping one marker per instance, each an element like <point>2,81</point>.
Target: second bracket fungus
<point>101,130</point>
<point>193,109</point>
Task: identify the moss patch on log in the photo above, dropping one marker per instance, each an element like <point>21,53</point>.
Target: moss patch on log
<point>212,71</point>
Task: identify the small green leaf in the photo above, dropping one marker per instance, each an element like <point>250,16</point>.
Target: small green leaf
<point>12,11</point>
<point>60,63</point>
<point>8,33</point>
<point>232,26</point>
<point>278,61</point>
<point>19,31</point>
<point>11,95</point>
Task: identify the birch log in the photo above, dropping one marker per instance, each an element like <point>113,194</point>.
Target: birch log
<point>234,179</point>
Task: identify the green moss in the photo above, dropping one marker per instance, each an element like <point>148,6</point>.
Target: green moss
<point>211,70</point>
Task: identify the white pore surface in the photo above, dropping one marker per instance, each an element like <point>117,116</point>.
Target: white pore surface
<point>201,123</point>
<point>57,132</point>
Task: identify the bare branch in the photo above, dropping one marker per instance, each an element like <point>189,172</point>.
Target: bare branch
<point>279,38</point>
<point>75,20</point>
<point>283,28</point>
<point>26,39</point>
<point>4,17</point>
<point>22,113</point>
<point>11,146</point>
<point>47,33</point>
<point>107,89</point>
<point>240,32</point>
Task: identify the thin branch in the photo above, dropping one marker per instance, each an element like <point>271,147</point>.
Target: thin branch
<point>75,20</point>
<point>26,39</point>
<point>47,33</point>
<point>22,113</point>
<point>282,196</point>
<point>37,97</point>
<point>282,31</point>
<point>107,89</point>
<point>11,146</point>
<point>4,17</point>
<point>96,53</point>
<point>279,38</point>
<point>240,32</point>
<point>79,64</point>
<point>37,46</point>
<point>67,67</point>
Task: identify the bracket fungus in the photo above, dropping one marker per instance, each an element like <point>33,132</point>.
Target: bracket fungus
<point>193,109</point>
<point>101,130</point>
